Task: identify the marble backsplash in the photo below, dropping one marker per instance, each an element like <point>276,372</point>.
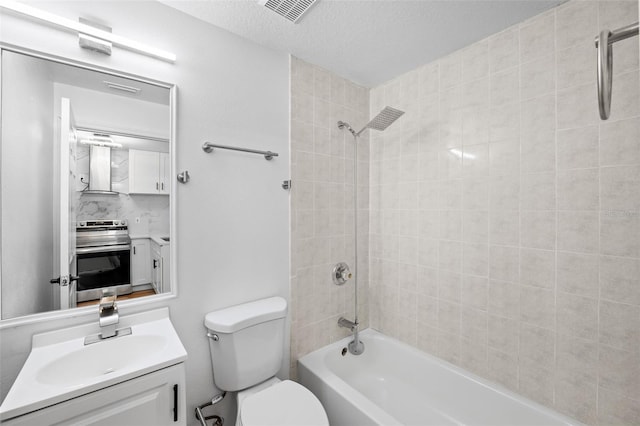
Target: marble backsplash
<point>151,210</point>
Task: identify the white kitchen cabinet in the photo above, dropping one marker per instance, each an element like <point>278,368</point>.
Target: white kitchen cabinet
<point>165,253</point>
<point>140,261</point>
<point>165,172</point>
<point>155,399</point>
<point>156,267</point>
<point>149,172</point>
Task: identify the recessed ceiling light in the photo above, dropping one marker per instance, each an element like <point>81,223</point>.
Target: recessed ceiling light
<point>124,88</point>
<point>100,142</point>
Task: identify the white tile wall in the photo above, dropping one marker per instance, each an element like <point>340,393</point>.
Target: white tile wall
<point>322,205</point>
<point>515,217</point>
<point>500,218</point>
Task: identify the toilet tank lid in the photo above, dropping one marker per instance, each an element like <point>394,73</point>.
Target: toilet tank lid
<point>235,318</point>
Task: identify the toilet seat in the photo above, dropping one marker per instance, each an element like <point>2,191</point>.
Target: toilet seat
<point>284,404</point>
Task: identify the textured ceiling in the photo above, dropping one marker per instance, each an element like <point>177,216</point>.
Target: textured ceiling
<point>369,41</point>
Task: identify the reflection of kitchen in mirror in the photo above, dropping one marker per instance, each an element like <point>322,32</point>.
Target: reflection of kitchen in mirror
<point>116,206</point>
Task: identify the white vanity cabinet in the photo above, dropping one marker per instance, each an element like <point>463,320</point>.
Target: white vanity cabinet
<point>140,261</point>
<point>157,399</point>
<point>149,172</point>
<point>136,378</point>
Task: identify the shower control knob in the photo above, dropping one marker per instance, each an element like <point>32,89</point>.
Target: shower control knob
<point>341,273</point>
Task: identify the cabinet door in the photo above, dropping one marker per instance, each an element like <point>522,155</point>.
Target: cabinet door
<point>144,172</point>
<point>155,399</point>
<point>165,172</point>
<point>156,268</point>
<point>166,268</point>
<point>140,261</point>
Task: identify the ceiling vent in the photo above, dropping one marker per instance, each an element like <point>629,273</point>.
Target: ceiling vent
<point>291,10</point>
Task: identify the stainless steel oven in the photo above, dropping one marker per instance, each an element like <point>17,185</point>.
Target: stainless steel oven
<point>103,255</point>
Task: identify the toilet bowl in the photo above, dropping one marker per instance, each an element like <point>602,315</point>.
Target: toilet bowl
<point>280,403</point>
<point>247,350</point>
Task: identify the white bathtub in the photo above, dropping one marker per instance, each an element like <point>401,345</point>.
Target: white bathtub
<point>395,384</point>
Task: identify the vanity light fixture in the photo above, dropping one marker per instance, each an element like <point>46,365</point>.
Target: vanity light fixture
<point>124,88</point>
<point>96,44</point>
<point>71,25</point>
<point>101,141</point>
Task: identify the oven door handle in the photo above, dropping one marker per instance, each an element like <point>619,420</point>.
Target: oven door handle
<point>103,249</point>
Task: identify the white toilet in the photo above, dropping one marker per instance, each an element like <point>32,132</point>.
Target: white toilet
<point>247,343</point>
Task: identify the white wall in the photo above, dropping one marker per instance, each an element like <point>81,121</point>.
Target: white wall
<point>232,218</point>
<point>29,166</point>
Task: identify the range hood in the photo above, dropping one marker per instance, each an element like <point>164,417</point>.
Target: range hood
<point>99,170</point>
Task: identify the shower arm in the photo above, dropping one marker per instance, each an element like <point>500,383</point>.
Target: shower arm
<point>362,130</point>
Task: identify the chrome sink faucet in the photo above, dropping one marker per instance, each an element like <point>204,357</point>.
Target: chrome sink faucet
<point>108,315</point>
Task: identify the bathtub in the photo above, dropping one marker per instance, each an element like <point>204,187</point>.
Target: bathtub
<point>395,384</point>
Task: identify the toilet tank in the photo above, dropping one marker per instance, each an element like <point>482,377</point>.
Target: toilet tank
<point>246,342</point>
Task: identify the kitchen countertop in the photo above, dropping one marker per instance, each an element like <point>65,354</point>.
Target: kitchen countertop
<point>156,238</point>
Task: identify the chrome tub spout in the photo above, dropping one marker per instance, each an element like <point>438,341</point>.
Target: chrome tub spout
<point>345,323</point>
<point>356,347</point>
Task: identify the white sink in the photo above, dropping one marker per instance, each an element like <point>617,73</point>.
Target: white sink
<point>60,366</point>
<point>98,359</point>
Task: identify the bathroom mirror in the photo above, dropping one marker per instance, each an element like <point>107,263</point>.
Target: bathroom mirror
<point>86,185</point>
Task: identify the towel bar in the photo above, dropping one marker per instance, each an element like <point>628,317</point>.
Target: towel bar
<point>208,147</point>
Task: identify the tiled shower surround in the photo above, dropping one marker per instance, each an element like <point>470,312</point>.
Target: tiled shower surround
<point>504,215</point>
<point>322,205</point>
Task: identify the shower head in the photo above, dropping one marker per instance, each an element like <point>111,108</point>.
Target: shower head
<point>384,119</point>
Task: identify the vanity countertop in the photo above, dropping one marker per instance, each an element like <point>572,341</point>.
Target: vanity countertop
<point>61,367</point>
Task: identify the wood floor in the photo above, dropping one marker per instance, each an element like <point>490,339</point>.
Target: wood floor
<point>133,295</point>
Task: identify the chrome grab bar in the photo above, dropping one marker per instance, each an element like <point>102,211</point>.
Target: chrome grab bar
<point>208,147</point>
<point>103,249</point>
<point>605,64</point>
